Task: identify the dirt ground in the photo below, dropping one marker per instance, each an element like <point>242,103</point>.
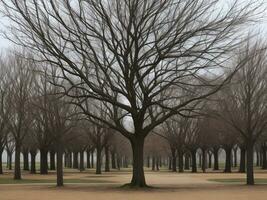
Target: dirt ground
<point>166,186</point>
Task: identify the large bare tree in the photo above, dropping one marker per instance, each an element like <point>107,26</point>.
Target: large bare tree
<point>128,54</point>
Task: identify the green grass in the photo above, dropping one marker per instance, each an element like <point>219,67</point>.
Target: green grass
<point>52,181</point>
<point>239,180</point>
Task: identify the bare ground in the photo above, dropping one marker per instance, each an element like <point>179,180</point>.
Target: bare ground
<point>166,186</point>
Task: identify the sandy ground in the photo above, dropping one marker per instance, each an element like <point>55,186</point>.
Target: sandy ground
<point>167,186</point>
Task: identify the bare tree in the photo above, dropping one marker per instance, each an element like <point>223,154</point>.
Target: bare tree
<point>244,102</point>
<point>19,121</point>
<point>128,54</point>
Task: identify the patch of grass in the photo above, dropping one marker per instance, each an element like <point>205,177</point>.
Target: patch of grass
<point>239,180</point>
<point>52,181</point>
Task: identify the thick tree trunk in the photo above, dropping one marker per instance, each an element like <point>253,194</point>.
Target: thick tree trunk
<point>88,161</point>
<point>250,173</point>
<point>75,160</point>
<point>194,160</point>
<point>138,176</point>
<point>113,160</point>
<point>81,166</point>
<point>174,167</point>
<point>33,167</point>
<point>242,166</point>
<point>52,160</point>
<point>17,173</point>
<point>44,163</point>
<point>118,162</point>
<point>60,168</point>
<point>98,160</point>
<point>181,160</point>
<point>258,158</point>
<point>26,161</point>
<point>216,158</point>
<point>228,154</point>
<point>107,168</point>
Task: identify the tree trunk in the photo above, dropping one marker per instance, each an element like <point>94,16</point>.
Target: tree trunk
<point>157,163</point>
<point>75,160</point>
<point>235,157</point>
<point>153,163</point>
<point>17,173</point>
<point>10,160</point>
<point>26,161</point>
<point>98,159</point>
<point>250,173</point>
<point>264,157</point>
<point>60,167</point>
<point>170,163</point>
<point>33,167</point>
<point>210,160</point>
<point>187,162</point>
<point>148,162</point>
<point>52,160</point>
<point>242,166</point>
<point>194,160</point>
<point>118,162</point>
<point>88,161</point>
<point>174,167</point>
<point>107,168</point>
<point>181,160</point>
<point>204,160</point>
<point>138,176</point>
<point>81,166</point>
<point>113,160</point>
<point>1,162</point>
<point>92,159</point>
<point>44,163</point>
<point>216,158</point>
<point>228,155</point>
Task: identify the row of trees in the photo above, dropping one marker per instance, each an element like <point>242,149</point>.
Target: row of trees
<point>130,66</point>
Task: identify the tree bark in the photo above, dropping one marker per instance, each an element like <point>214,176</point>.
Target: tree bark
<point>228,155</point>
<point>113,160</point>
<point>88,161</point>
<point>81,166</point>
<point>250,172</point>
<point>216,158</point>
<point>174,166</point>
<point>17,173</point>
<point>33,166</point>
<point>43,163</point>
<point>153,163</point>
<point>170,163</point>
<point>210,159</point>
<point>204,160</point>
<point>52,160</point>
<point>235,157</point>
<point>60,181</point>
<point>92,159</point>
<point>75,160</point>
<point>98,159</point>
<point>194,160</point>
<point>107,168</point>
<point>26,161</point>
<point>242,166</point>
<point>138,176</point>
<point>181,160</point>
<point>10,160</point>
